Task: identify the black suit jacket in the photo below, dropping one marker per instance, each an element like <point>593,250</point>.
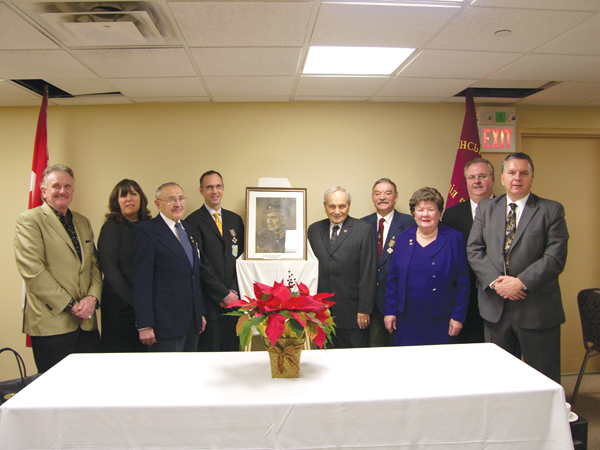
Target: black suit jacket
<point>348,269</point>
<point>400,222</point>
<point>220,251</point>
<point>460,217</point>
<point>166,288</point>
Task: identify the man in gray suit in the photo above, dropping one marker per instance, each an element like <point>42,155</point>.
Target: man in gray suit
<point>347,252</point>
<point>518,248</point>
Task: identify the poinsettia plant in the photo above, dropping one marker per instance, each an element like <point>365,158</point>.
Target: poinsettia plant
<point>284,311</point>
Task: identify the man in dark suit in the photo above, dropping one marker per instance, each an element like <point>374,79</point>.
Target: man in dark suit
<point>167,295</point>
<point>347,253</point>
<point>479,173</point>
<point>518,248</point>
<point>221,236</point>
<point>388,224</point>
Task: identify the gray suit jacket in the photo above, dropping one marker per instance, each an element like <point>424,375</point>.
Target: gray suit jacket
<point>537,257</point>
<point>348,269</point>
<point>52,271</point>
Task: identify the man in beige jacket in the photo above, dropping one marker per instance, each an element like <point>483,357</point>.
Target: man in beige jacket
<point>56,256</point>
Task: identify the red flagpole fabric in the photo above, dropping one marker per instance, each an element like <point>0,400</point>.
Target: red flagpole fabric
<point>40,156</point>
<point>469,148</point>
<point>39,164</point>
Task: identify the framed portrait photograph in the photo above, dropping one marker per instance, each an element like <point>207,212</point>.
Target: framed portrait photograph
<point>275,223</point>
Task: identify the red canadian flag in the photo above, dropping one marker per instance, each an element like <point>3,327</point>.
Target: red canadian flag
<point>40,156</point>
<point>39,164</point>
<point>469,148</point>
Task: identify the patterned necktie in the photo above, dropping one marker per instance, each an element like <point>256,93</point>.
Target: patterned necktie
<point>380,236</point>
<point>334,232</point>
<point>511,228</point>
<point>185,242</point>
<point>218,223</point>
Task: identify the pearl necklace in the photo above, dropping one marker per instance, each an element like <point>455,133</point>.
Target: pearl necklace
<point>427,236</point>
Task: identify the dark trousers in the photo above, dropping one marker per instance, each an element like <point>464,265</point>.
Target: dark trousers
<point>379,336</point>
<point>350,338</point>
<point>219,335</point>
<point>539,348</point>
<point>185,343</point>
<point>49,350</point>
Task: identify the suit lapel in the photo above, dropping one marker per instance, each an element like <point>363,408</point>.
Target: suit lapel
<point>57,226</point>
<point>166,237</point>
<point>208,219</point>
<point>393,233</point>
<point>342,235</point>
<point>528,213</point>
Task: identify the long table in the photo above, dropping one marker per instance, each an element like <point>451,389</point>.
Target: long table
<point>458,397</point>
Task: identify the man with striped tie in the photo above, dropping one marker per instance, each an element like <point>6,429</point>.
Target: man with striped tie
<point>517,248</point>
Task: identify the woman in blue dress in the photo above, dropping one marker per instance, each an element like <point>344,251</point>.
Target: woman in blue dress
<point>427,291</point>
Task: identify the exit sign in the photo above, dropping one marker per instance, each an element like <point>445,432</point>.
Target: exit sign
<point>498,138</point>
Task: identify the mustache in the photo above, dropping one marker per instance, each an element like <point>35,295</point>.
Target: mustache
<point>379,202</point>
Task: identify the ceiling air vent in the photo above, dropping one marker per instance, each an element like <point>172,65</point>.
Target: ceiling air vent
<point>103,24</point>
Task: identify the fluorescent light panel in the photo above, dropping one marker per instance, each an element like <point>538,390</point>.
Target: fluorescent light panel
<point>354,60</point>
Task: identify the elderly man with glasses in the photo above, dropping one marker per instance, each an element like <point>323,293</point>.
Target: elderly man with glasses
<point>167,293</point>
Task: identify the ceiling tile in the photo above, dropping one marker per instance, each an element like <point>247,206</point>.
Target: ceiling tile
<point>11,95</point>
<point>593,77</point>
<point>544,67</point>
<point>159,87</point>
<point>92,100</point>
<point>339,86</point>
<point>424,87</point>
<point>235,61</point>
<point>253,98</point>
<point>582,40</point>
<point>410,99</point>
<point>565,5</point>
<point>243,24</point>
<point>249,86</point>
<point>137,63</point>
<point>17,34</point>
<point>566,94</point>
<point>510,84</point>
<point>457,64</point>
<point>42,64</point>
<point>82,86</point>
<point>170,99</point>
<point>377,25</point>
<point>474,29</point>
<point>309,98</point>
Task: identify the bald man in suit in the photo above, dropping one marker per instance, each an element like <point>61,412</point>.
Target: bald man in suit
<point>518,248</point>
<point>347,253</point>
<point>56,256</point>
<point>479,174</point>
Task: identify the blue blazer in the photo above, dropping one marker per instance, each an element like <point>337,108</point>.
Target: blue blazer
<point>400,222</point>
<point>166,288</point>
<point>449,277</point>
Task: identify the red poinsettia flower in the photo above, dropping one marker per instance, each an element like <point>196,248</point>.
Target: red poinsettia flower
<point>284,310</point>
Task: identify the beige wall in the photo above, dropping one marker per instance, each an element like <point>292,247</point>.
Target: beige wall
<point>314,145</point>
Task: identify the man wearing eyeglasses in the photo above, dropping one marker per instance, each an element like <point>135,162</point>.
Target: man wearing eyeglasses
<point>479,173</point>
<point>167,294</point>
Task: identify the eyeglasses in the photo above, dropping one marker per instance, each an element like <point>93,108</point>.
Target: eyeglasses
<point>172,200</point>
<point>481,176</point>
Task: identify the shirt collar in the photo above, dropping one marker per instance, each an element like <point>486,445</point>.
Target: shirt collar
<point>213,211</point>
<point>388,218</point>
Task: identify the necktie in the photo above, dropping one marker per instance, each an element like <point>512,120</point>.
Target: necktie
<point>380,236</point>
<point>334,232</point>
<point>218,223</point>
<point>511,228</point>
<point>185,242</point>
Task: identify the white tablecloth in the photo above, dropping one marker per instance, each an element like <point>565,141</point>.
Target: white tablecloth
<point>268,271</point>
<point>459,397</point>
